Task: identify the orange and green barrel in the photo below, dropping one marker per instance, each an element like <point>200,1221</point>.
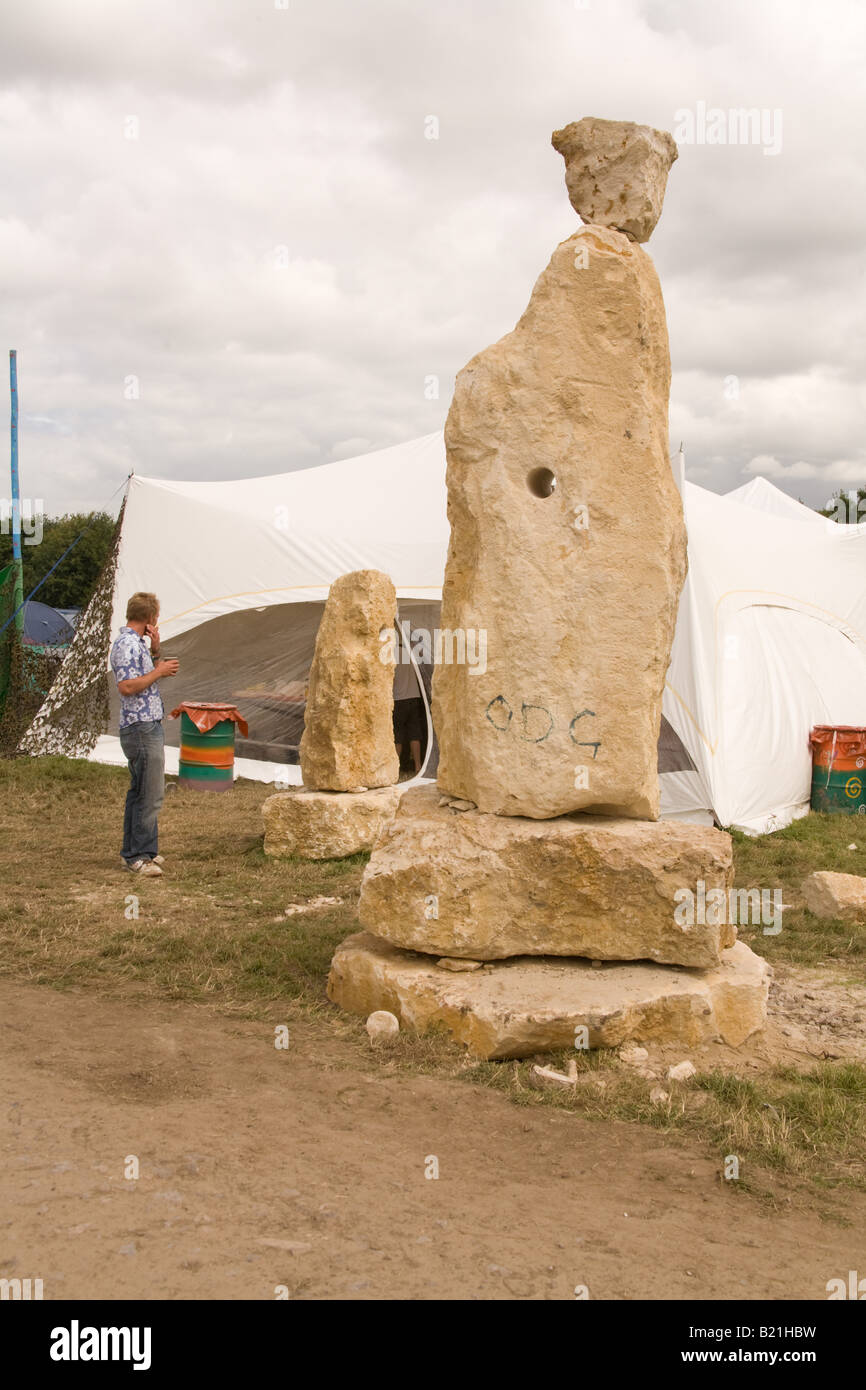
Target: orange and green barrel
<point>207,745</point>
<point>838,769</point>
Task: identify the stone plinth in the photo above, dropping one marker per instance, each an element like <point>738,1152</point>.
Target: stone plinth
<point>519,1007</point>
<point>326,825</point>
<point>466,884</point>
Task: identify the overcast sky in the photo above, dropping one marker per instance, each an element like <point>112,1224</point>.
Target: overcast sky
<point>232,208</point>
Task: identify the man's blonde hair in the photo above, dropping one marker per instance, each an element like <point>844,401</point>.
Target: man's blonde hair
<point>142,608</point>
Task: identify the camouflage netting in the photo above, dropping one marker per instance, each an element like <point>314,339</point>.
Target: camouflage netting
<point>75,712</point>
<point>30,672</point>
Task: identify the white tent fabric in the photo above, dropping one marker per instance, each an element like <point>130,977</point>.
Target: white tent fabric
<point>770,638</point>
<point>215,548</point>
<point>764,497</point>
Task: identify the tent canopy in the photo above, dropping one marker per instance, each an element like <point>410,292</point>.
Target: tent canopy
<point>770,638</point>
<point>210,549</point>
<point>763,496</point>
<point>46,626</point>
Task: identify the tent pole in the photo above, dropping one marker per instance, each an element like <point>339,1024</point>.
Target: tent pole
<point>18,593</point>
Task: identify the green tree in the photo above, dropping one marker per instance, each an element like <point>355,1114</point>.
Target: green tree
<point>72,583</point>
<point>843,507</point>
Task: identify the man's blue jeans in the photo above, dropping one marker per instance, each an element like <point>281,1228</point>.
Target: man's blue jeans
<point>144,748</point>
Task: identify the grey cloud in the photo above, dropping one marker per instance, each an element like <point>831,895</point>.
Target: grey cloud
<point>282,258</point>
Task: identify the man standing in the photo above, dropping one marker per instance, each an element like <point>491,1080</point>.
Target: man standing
<point>137,671</point>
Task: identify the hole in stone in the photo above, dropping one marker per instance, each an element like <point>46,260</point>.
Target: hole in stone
<point>541,482</point>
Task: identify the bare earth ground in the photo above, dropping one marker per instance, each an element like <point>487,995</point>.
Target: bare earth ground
<point>151,1033</point>
<point>303,1168</point>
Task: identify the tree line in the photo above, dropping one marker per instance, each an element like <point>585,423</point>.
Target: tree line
<point>72,583</point>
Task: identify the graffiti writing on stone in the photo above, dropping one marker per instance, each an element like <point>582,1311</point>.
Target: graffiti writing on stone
<point>534,723</point>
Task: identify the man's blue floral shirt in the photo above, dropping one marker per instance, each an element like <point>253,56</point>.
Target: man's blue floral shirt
<point>130,658</point>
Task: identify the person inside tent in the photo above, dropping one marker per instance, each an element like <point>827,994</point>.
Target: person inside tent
<point>409,725</point>
<point>137,672</point>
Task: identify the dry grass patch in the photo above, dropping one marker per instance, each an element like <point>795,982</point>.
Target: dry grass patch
<point>783,860</point>
<point>212,928</point>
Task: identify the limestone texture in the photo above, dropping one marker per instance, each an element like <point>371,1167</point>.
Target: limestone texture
<point>616,172</point>
<point>348,739</point>
<point>574,589</point>
<point>326,825</point>
<point>838,896</point>
<point>487,887</point>
<point>524,1006</point>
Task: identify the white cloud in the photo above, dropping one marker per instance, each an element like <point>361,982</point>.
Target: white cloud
<point>839,471</point>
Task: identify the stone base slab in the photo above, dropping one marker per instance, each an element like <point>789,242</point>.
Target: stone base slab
<point>326,825</point>
<point>519,1007</point>
<point>466,883</point>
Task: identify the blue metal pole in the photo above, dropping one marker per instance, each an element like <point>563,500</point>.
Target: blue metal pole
<point>16,496</point>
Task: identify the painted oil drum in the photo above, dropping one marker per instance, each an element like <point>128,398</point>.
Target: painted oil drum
<point>207,761</point>
<point>838,769</point>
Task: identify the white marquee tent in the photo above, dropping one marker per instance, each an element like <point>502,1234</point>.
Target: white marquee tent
<point>770,639</point>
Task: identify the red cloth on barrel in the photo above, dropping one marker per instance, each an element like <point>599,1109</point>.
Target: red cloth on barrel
<point>848,740</point>
<point>206,717</point>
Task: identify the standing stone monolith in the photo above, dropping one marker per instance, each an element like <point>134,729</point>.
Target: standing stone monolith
<point>567,557</point>
<point>568,546</point>
<point>348,739</point>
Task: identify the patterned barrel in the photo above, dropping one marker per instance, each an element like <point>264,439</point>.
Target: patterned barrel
<point>207,761</point>
<point>838,769</point>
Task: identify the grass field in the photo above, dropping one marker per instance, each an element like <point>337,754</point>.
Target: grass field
<point>214,930</point>
<point>783,860</point>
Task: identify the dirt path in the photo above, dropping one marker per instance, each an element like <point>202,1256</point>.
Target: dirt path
<point>261,1168</point>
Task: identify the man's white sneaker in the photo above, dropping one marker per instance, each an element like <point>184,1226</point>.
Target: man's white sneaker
<point>145,867</point>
